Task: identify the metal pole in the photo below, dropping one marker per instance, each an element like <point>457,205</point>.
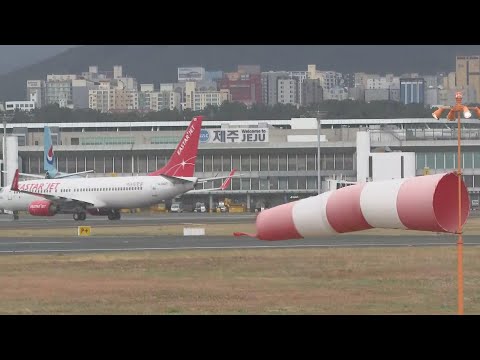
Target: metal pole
<point>460,235</point>
<point>5,175</point>
<point>319,125</point>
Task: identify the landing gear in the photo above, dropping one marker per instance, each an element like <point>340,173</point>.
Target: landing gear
<point>79,216</point>
<point>15,215</point>
<point>114,215</point>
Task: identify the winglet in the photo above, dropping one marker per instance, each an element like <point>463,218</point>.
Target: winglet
<point>14,186</point>
<point>227,181</point>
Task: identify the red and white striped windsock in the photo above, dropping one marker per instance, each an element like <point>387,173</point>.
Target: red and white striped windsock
<point>428,203</point>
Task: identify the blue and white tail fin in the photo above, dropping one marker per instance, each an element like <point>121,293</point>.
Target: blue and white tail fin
<point>48,154</point>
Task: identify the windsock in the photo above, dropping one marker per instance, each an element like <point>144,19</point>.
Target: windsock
<point>426,203</point>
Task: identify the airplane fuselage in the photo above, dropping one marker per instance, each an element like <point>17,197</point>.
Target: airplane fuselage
<point>102,192</point>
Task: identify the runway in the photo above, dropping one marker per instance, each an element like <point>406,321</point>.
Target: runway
<point>97,244</point>
<point>64,220</point>
<point>140,219</point>
<point>73,244</point>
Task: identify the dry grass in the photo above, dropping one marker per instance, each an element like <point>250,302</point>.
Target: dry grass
<point>145,230</point>
<point>472,227</point>
<point>270,281</point>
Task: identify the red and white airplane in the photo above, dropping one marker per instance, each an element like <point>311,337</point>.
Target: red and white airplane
<point>107,195</point>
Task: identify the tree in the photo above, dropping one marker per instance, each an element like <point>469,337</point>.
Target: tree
<point>228,111</point>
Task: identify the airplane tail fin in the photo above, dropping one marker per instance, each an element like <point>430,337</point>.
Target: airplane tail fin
<point>14,186</point>
<point>182,161</point>
<point>48,153</point>
<point>226,183</point>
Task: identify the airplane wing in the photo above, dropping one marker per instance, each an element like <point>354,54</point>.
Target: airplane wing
<point>229,176</point>
<point>61,176</point>
<point>176,180</point>
<point>33,176</point>
<point>53,198</point>
<point>225,184</point>
<point>36,176</point>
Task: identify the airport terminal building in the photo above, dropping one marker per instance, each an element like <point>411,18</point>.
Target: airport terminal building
<point>277,159</point>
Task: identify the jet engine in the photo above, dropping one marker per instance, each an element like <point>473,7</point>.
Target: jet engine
<point>42,208</point>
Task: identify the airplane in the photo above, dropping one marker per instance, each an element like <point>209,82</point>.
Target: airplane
<point>105,196</point>
<point>49,167</point>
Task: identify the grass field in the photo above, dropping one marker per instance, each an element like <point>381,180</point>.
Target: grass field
<point>268,281</point>
<point>472,227</point>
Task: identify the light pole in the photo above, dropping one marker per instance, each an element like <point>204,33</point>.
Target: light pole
<point>6,117</point>
<point>4,150</point>
<point>319,115</point>
<point>319,178</point>
<point>455,111</point>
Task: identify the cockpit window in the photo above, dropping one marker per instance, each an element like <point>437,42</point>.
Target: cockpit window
<point>1,189</point>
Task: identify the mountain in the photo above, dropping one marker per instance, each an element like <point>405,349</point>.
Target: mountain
<point>14,57</point>
<point>158,63</point>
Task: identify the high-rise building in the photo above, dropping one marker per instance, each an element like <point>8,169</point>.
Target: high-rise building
<point>270,86</point>
<point>348,80</point>
<point>431,81</point>
<point>127,82</point>
<point>101,99</point>
<point>203,98</point>
<point>244,87</point>
<point>361,79</point>
<point>431,95</point>
<point>248,69</point>
<point>125,100</point>
<point>300,77</point>
<point>412,90</point>
<point>198,98</point>
<point>287,91</point>
<point>168,100</point>
<point>36,92</point>
<point>146,87</point>
<point>158,100</point>
<point>213,75</point>
<point>59,90</point>
<point>117,71</point>
<point>335,93</point>
<point>312,92</point>
<point>357,93</point>
<point>468,73</point>
<point>80,92</point>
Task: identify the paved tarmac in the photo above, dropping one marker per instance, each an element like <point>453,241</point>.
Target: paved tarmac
<point>66,220</point>
<point>129,220</point>
<point>72,244</point>
<point>98,244</point>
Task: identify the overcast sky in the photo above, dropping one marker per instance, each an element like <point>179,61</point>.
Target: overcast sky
<point>16,56</point>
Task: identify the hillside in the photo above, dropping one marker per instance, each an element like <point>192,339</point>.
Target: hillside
<point>158,63</point>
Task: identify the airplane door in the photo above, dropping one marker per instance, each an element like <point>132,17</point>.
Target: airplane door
<point>154,190</point>
<point>9,195</point>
